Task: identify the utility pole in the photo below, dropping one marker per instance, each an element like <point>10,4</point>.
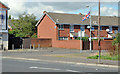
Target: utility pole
<point>90,29</point>
<point>99,48</point>
<point>90,32</point>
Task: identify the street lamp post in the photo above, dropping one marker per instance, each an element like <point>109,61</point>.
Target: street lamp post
<point>90,30</point>
<point>99,48</point>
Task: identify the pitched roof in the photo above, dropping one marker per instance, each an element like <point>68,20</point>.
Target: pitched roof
<point>63,18</point>
<point>3,6</point>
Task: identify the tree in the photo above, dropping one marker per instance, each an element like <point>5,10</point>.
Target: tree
<point>116,44</point>
<point>116,40</point>
<point>24,25</point>
<point>9,17</point>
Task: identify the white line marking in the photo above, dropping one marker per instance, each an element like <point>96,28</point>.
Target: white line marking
<point>33,67</point>
<point>44,68</point>
<point>71,70</point>
<point>49,68</point>
<point>41,62</point>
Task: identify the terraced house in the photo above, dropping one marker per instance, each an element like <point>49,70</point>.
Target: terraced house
<point>68,27</point>
<point>3,26</point>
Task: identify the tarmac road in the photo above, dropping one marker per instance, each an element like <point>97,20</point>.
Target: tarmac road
<point>16,65</point>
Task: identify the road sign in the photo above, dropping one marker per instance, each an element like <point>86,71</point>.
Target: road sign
<point>92,28</point>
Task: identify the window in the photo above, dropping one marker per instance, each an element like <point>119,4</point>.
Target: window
<point>1,19</point>
<point>61,27</point>
<point>63,38</point>
<point>71,28</point>
<point>119,29</point>
<point>115,31</point>
<point>82,28</point>
<point>110,29</point>
<point>100,28</point>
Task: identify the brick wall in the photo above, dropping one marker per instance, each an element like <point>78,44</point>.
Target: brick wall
<point>105,44</point>
<point>47,29</point>
<point>72,44</point>
<point>42,42</point>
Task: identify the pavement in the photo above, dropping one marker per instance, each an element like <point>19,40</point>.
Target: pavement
<point>59,55</point>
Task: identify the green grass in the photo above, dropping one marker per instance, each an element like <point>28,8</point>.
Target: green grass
<point>107,57</point>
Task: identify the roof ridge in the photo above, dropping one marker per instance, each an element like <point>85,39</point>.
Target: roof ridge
<point>63,13</point>
<point>78,14</point>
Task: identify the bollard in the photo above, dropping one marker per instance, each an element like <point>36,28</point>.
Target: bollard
<point>30,46</point>
<point>12,46</point>
<point>38,46</point>
<point>2,47</point>
<point>22,46</point>
<point>33,46</point>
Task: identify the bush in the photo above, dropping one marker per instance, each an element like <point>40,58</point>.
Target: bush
<point>116,46</point>
<point>105,57</point>
<point>34,36</point>
<point>83,38</point>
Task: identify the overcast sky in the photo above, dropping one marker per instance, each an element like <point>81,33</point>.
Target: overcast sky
<point>36,7</point>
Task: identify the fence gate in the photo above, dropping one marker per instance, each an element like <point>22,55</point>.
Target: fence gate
<point>86,45</point>
<point>16,41</point>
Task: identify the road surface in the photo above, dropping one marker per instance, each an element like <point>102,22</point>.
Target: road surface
<point>12,65</point>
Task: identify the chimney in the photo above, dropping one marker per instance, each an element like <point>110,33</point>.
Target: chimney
<point>80,13</point>
<point>44,11</point>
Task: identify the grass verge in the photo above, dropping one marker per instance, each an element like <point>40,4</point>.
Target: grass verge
<point>106,57</point>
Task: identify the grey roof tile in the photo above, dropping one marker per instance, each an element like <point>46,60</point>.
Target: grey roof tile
<point>64,18</point>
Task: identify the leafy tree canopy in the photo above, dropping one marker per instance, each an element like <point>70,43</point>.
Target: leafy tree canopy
<point>24,25</point>
<point>117,39</point>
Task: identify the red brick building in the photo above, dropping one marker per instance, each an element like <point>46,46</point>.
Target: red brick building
<point>62,27</point>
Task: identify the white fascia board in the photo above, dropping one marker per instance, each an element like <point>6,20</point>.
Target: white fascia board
<point>86,24</point>
<point>42,17</point>
<point>3,31</point>
<point>4,9</point>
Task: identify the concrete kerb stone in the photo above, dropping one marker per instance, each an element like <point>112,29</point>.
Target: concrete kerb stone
<point>76,63</point>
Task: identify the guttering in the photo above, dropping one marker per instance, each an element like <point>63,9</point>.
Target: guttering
<point>86,24</point>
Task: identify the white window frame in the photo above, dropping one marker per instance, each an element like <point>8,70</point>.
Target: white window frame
<point>61,27</point>
<point>71,28</point>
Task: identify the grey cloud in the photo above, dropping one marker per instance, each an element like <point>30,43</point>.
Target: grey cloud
<point>68,6</point>
<point>60,6</point>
